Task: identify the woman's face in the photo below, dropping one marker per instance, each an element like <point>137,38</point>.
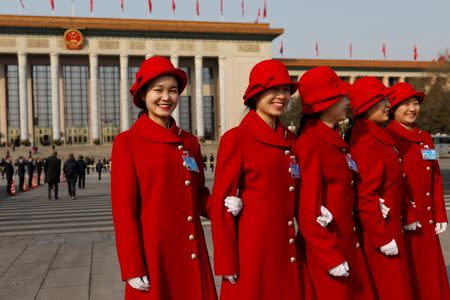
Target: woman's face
<point>338,111</point>
<point>161,97</point>
<point>273,101</point>
<point>407,112</point>
<point>379,113</point>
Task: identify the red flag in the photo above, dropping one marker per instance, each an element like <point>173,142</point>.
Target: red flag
<point>265,10</point>
<point>91,4</point>
<point>415,52</point>
<point>350,49</point>
<point>150,7</point>
<point>52,5</point>
<point>197,8</point>
<point>173,6</point>
<point>242,8</point>
<point>282,48</point>
<point>221,8</point>
<point>21,3</point>
<point>259,15</point>
<point>317,49</point>
<point>383,49</point>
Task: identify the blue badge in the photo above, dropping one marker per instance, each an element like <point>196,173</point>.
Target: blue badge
<point>295,170</point>
<point>429,154</point>
<point>351,163</point>
<point>190,163</point>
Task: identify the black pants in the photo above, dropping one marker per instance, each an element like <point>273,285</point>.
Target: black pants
<point>99,175</point>
<point>39,177</point>
<point>30,180</point>
<point>21,182</point>
<point>8,185</point>
<point>53,185</point>
<point>81,181</point>
<point>71,185</point>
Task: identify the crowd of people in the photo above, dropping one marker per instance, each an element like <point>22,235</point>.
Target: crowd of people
<point>369,206</point>
<point>36,171</point>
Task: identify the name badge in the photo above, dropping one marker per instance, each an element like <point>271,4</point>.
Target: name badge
<point>351,163</point>
<point>190,163</point>
<point>294,169</point>
<point>429,154</point>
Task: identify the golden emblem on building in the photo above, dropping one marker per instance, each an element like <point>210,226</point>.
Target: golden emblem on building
<point>73,39</point>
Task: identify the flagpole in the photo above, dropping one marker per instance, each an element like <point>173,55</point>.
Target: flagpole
<point>73,10</point>
<point>20,7</point>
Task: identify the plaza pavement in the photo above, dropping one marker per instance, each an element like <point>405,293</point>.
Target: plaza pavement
<point>64,249</point>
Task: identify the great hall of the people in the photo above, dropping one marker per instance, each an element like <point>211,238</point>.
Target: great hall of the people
<point>68,78</point>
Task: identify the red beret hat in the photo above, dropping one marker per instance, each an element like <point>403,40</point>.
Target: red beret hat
<point>403,91</point>
<point>320,88</point>
<point>267,74</point>
<point>152,68</point>
<point>366,92</point>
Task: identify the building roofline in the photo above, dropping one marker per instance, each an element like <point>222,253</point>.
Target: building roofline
<point>256,30</point>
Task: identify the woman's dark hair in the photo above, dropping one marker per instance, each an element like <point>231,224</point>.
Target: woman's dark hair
<point>251,104</point>
<point>304,119</point>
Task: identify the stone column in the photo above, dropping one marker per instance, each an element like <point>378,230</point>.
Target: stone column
<point>176,113</point>
<point>401,79</point>
<point>222,96</point>
<point>352,79</point>
<point>147,56</point>
<point>23,96</point>
<point>56,121</point>
<point>124,99</point>
<point>199,96</point>
<point>3,112</point>
<point>94,104</point>
<point>386,81</point>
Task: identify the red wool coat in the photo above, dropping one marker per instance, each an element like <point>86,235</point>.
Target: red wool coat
<point>327,180</point>
<point>156,205</point>
<point>381,176</point>
<point>259,244</point>
<point>429,280</point>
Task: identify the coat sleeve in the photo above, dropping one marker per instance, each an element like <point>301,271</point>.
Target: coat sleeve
<point>226,182</point>
<point>409,211</point>
<point>370,184</point>
<point>440,214</point>
<point>204,203</point>
<point>124,202</point>
<point>320,243</point>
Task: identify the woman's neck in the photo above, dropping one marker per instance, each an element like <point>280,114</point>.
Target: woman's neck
<point>271,121</point>
<point>408,126</point>
<point>163,122</point>
<point>328,121</point>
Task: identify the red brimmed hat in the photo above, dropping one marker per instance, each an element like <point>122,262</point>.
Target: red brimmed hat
<point>403,91</point>
<point>320,88</point>
<point>150,69</point>
<point>268,74</point>
<point>366,92</point>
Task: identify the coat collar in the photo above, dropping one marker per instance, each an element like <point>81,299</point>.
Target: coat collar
<point>325,133</point>
<point>399,131</point>
<point>255,126</point>
<point>365,126</point>
<point>151,131</point>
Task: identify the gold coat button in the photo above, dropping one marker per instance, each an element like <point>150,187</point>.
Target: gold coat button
<point>428,194</point>
<point>352,183</point>
<point>287,152</point>
<point>193,256</point>
<point>400,160</point>
<point>191,237</point>
<point>404,175</point>
<point>421,144</point>
<point>291,188</point>
<point>180,147</point>
<point>189,218</point>
<point>354,228</point>
<point>343,150</point>
<point>290,223</point>
<point>293,259</point>
<point>290,170</point>
<point>428,168</point>
<point>187,183</point>
<point>431,222</point>
<point>429,208</point>
<point>357,245</point>
<point>184,164</point>
<point>291,241</point>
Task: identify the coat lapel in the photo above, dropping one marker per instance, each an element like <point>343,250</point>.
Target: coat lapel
<point>364,126</point>
<point>414,136</point>
<point>149,130</point>
<point>325,133</point>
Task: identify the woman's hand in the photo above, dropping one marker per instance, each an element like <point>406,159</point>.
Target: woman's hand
<point>231,278</point>
<point>139,283</point>
<point>340,270</point>
<point>234,205</point>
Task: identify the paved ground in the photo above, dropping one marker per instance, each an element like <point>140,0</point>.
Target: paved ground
<point>64,249</point>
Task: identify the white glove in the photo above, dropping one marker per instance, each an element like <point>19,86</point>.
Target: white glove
<point>139,283</point>
<point>384,209</point>
<point>234,205</point>
<point>390,248</point>
<point>340,270</point>
<point>325,218</point>
<point>413,226</point>
<point>231,278</point>
<point>440,227</point>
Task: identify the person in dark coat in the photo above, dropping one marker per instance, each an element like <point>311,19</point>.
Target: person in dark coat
<point>52,170</point>
<point>39,166</point>
<point>70,170</point>
<point>82,166</point>
<point>99,169</point>
<point>30,169</point>
<point>21,173</point>
<point>211,162</point>
<point>2,167</point>
<point>9,172</point>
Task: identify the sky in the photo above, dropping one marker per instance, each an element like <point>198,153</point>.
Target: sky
<point>333,24</point>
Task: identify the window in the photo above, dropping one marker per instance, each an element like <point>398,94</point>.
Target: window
<point>109,96</point>
<point>184,104</point>
<point>76,96</point>
<point>207,76</point>
<point>134,110</point>
<point>12,96</point>
<point>42,96</point>
<point>208,117</point>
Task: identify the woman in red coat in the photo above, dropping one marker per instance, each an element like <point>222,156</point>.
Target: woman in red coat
<point>429,274</point>
<point>158,195</point>
<point>333,251</point>
<point>382,205</point>
<point>256,251</point>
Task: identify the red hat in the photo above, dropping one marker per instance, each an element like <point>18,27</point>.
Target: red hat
<point>403,91</point>
<point>320,88</point>
<point>265,75</point>
<point>150,69</point>
<point>366,92</point>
